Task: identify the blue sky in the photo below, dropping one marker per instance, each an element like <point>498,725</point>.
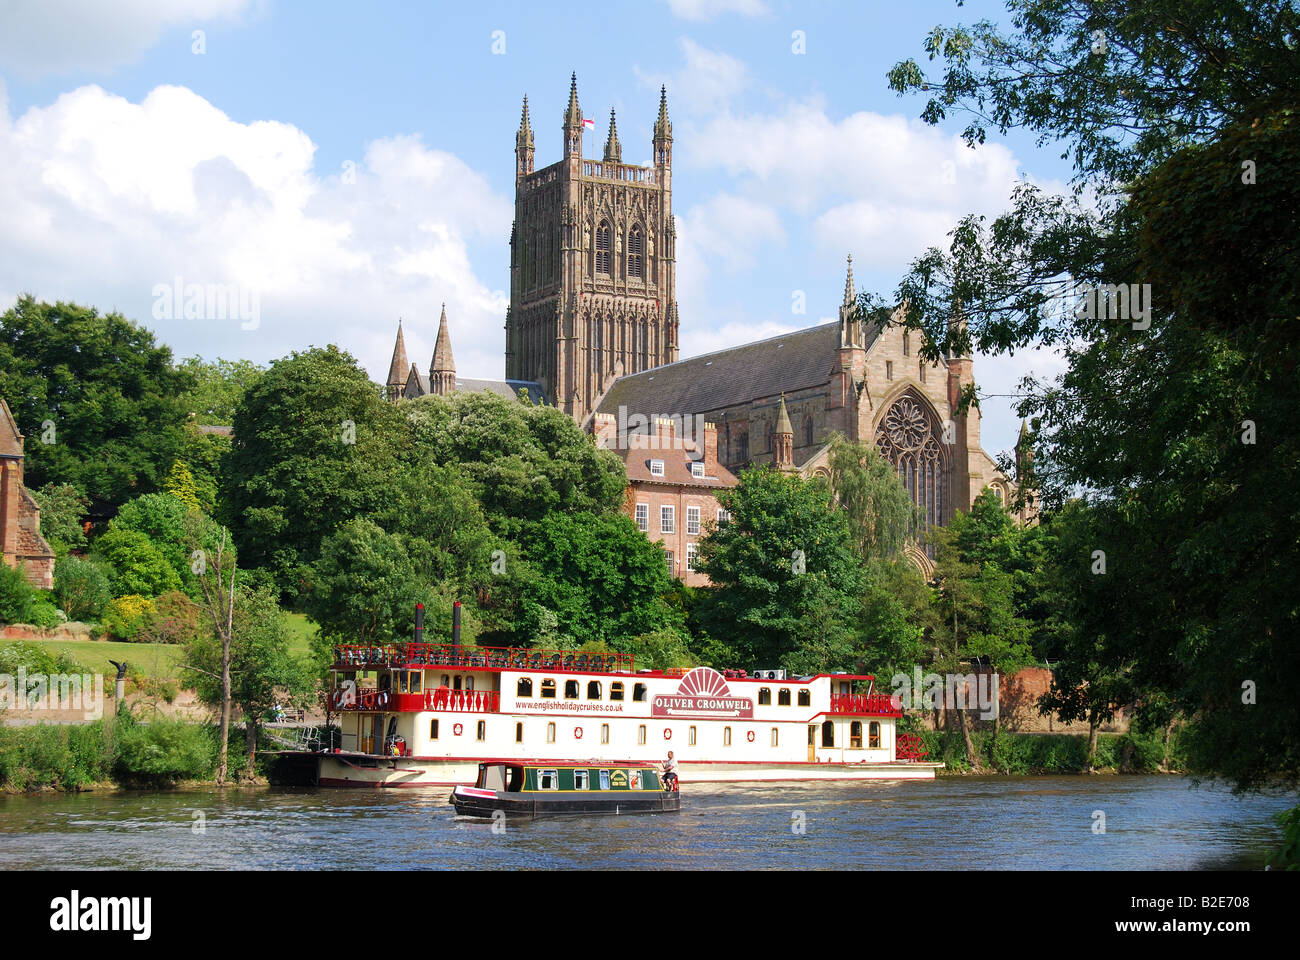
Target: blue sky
<point>349,164</point>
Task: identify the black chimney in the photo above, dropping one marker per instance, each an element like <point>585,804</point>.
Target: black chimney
<point>455,625</point>
<point>419,623</point>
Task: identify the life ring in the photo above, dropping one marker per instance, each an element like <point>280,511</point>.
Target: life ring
<point>457,729</point>
<point>577,733</point>
<point>668,733</point>
<point>750,736</point>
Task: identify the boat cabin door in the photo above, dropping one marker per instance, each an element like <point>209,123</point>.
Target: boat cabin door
<point>812,743</point>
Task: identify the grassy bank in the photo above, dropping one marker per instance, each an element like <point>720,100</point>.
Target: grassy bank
<point>1049,753</point>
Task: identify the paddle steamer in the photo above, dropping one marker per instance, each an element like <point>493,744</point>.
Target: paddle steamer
<point>427,715</point>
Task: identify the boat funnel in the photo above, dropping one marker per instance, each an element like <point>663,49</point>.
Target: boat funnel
<point>419,623</point>
<point>455,624</point>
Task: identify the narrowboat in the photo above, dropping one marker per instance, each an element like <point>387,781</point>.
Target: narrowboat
<point>519,790</point>
<point>417,714</point>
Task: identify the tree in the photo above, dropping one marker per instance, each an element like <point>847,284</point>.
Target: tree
<point>868,489</point>
<point>168,523</point>
<point>217,600</point>
<point>98,396</point>
<point>217,387</point>
<point>179,483</point>
<point>315,445</point>
<point>62,508</point>
<point>262,670</point>
<point>16,594</point>
<point>786,576</point>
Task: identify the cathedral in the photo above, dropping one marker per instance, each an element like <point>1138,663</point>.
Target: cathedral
<point>592,329</point>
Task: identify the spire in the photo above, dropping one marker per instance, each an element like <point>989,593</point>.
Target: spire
<point>573,122</point>
<point>663,138</point>
<point>850,327</point>
<point>397,369</point>
<point>613,149</point>
<point>783,420</point>
<point>1024,434</point>
<point>850,294</point>
<point>524,144</point>
<point>442,372</point>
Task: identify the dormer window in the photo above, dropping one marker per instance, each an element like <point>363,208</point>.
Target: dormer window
<point>697,469</point>
<point>656,468</point>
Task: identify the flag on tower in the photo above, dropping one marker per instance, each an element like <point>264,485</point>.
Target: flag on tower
<point>588,123</point>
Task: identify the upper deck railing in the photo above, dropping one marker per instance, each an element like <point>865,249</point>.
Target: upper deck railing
<point>864,704</point>
<point>416,655</point>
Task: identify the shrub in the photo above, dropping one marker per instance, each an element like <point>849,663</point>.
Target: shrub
<point>173,618</point>
<point>43,613</point>
<point>125,616</point>
<point>164,751</point>
<point>138,565</point>
<point>16,594</point>
<point>81,586</point>
<point>35,659</point>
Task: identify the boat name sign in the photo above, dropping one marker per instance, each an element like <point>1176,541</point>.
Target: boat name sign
<point>703,692</point>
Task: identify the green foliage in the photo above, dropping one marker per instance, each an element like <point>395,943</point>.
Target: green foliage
<point>139,567</point>
<point>203,454</point>
<point>43,613</point>
<point>173,618</point>
<point>601,579</point>
<point>64,756</point>
<point>217,388</point>
<point>164,751</point>
<point>786,577</point>
<point>1287,857</point>
<point>62,508</point>
<point>315,446</point>
<point>110,393</point>
<point>871,494</point>
<point>171,526</point>
<point>179,483</point>
<point>35,658</point>
<point>1047,753</point>
<point>16,594</point>
<point>126,616</point>
<point>82,587</point>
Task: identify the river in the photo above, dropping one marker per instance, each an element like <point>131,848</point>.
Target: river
<point>1043,823</point>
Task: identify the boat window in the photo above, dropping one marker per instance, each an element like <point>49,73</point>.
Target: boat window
<point>638,692</point>
<point>634,780</point>
<point>604,733</point>
<point>456,682</point>
<point>433,729</point>
<point>482,730</point>
<point>776,737</point>
<point>726,736</point>
<point>581,780</point>
<point>616,691</point>
<point>524,688</point>
<point>690,737</point>
<point>783,697</point>
<point>548,780</point>
<point>519,733</point>
<point>570,689</point>
<point>516,779</point>
<point>604,779</point>
<point>402,682</point>
<point>855,735</point>
<point>765,697</point>
<point>805,698</point>
<point>469,683</point>
<point>873,735</point>
<point>828,734</point>
<point>640,735</point>
<point>548,689</point>
<point>593,690</point>
<point>550,733</point>
<point>416,680</point>
<point>446,679</point>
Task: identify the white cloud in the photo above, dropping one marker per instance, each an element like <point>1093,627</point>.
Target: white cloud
<point>708,9</point>
<point>106,198</point>
<point>40,37</point>
<point>707,81</point>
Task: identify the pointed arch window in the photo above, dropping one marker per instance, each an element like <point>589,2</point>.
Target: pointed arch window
<point>808,430</point>
<point>603,247</point>
<point>908,437</point>
<point>635,253</point>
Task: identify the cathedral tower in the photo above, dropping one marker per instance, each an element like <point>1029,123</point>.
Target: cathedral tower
<point>592,264</point>
<point>442,371</point>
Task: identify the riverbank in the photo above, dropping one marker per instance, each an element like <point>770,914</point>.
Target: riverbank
<point>1021,754</point>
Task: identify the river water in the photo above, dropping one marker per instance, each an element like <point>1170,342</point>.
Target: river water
<point>950,823</point>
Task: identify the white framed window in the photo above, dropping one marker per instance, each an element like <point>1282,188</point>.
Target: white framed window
<point>640,735</point>
<point>550,733</point>
<point>697,468</point>
<point>548,780</point>
<point>726,736</point>
<point>690,737</point>
<point>692,551</point>
<point>656,468</point>
<point>643,517</point>
<point>604,734</point>
<point>723,516</point>
<point>693,521</point>
<point>667,519</point>
<point>581,779</point>
<point>776,737</point>
<point>671,561</point>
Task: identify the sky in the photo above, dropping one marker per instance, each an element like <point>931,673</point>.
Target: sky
<point>332,167</point>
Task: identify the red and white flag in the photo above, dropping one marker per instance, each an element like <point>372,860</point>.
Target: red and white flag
<point>589,124</point>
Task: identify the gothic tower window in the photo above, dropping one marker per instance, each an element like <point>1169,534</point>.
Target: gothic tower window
<point>920,370</point>
<point>808,430</point>
<point>635,253</point>
<point>603,247</point>
<point>908,437</point>
<point>907,344</point>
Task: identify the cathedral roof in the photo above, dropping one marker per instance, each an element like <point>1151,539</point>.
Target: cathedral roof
<point>10,439</point>
<point>511,389</point>
<point>714,381</point>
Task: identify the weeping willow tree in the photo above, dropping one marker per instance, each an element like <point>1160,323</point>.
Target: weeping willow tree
<point>867,488</point>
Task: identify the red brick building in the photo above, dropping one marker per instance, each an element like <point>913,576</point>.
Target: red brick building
<point>20,518</point>
<point>672,482</point>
